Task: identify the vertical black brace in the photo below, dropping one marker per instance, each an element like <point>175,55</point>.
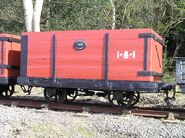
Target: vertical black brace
<point>24,55</point>
<point>106,58</point>
<point>145,53</point>
<point>54,58</point>
<point>2,55</point>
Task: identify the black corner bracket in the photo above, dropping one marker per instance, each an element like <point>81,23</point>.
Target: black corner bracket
<point>151,35</point>
<point>149,73</point>
<point>9,39</point>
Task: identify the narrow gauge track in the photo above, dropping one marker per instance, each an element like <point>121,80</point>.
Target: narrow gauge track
<point>95,108</point>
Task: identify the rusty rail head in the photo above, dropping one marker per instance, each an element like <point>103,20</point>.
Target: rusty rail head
<point>95,108</point>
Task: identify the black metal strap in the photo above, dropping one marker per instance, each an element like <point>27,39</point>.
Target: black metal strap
<point>2,56</point>
<point>4,66</point>
<point>24,55</point>
<point>54,58</point>
<point>151,35</point>
<point>149,73</point>
<point>9,39</point>
<point>106,57</point>
<point>145,53</point>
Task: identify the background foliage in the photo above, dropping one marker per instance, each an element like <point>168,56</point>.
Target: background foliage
<point>167,17</point>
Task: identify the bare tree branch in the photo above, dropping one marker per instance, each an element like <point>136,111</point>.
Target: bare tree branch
<point>172,25</point>
<point>125,10</point>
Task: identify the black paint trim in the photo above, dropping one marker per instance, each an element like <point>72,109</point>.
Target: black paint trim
<point>54,57</point>
<point>24,55</point>
<point>9,39</point>
<point>114,85</point>
<point>106,58</point>
<point>149,73</point>
<point>145,54</point>
<point>151,35</point>
<point>9,80</point>
<point>3,66</point>
<point>2,55</point>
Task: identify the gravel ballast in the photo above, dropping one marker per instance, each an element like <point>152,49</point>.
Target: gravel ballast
<point>22,122</point>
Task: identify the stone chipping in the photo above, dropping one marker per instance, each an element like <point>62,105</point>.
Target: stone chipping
<point>23,122</point>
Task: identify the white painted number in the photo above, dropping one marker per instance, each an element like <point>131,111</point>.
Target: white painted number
<point>126,54</point>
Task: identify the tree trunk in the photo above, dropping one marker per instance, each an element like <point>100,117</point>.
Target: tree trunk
<point>113,14</point>
<point>175,53</point>
<point>28,14</point>
<point>37,15</point>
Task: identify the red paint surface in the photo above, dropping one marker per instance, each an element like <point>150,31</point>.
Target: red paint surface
<point>89,63</point>
<point>11,56</point>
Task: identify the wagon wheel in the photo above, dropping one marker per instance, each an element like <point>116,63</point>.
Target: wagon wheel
<point>26,89</point>
<point>54,95</point>
<point>135,98</point>
<point>121,99</point>
<point>7,91</point>
<point>71,94</point>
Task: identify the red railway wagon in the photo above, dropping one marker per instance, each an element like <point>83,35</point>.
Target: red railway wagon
<point>10,63</point>
<point>115,60</point>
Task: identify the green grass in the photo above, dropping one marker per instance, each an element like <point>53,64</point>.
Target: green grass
<point>169,77</point>
<point>83,132</point>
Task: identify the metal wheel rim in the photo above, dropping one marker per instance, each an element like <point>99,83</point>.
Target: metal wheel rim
<point>71,97</point>
<point>7,91</point>
<point>58,96</point>
<point>125,102</point>
<point>48,96</point>
<point>135,98</point>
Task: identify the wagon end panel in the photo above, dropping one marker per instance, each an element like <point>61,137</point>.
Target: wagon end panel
<point>156,61</point>
<point>153,45</point>
<point>131,56</point>
<point>9,58</point>
<point>13,52</point>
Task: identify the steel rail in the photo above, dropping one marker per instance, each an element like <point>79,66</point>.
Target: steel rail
<point>95,108</point>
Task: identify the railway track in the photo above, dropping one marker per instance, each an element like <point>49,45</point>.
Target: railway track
<point>96,108</point>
